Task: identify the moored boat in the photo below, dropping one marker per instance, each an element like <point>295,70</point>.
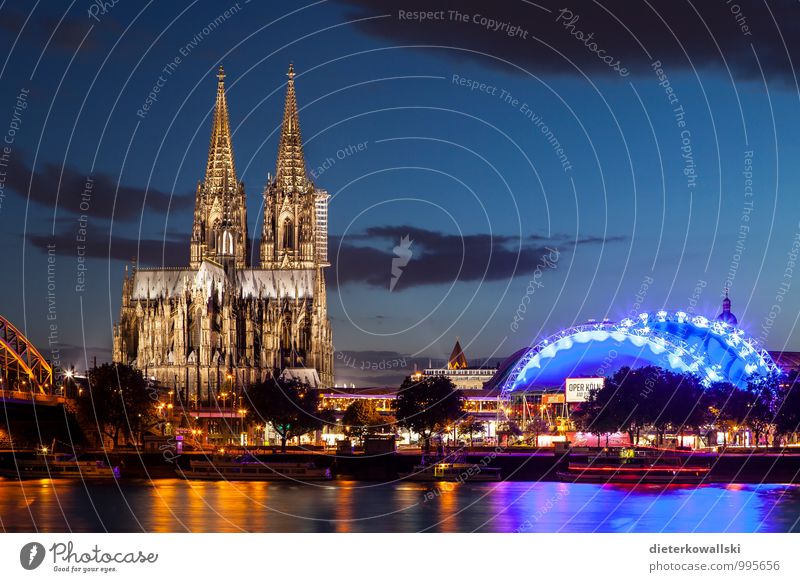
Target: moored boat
<point>60,466</point>
<point>628,467</point>
<point>452,472</point>
<point>249,468</point>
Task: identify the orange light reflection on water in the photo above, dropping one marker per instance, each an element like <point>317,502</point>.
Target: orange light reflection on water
<point>344,507</point>
<point>447,506</point>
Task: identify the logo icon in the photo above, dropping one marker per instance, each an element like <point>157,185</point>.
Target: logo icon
<point>31,555</point>
<point>402,254</point>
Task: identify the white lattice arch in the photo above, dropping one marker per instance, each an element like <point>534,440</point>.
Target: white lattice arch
<point>713,350</point>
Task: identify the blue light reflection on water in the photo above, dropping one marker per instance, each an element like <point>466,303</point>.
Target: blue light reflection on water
<point>613,508</point>
<point>341,506</point>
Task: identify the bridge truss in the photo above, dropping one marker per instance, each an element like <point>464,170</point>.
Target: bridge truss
<point>22,366</point>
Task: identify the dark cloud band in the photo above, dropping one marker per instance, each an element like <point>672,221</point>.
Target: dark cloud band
<point>602,38</point>
<point>439,258</point>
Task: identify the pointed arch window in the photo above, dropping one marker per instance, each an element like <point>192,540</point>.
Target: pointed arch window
<point>213,236</point>
<point>286,334</point>
<point>288,234</point>
<point>227,243</point>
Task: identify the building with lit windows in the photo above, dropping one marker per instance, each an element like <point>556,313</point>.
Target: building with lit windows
<point>484,406</point>
<point>459,372</point>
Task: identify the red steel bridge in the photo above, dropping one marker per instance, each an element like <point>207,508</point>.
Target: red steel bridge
<point>24,373</point>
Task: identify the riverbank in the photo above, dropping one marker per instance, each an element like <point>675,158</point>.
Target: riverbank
<point>515,466</point>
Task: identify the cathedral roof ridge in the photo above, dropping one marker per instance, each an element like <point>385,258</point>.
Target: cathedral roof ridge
<point>156,269</point>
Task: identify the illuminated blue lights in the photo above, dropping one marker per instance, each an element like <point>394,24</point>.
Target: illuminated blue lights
<point>713,350</point>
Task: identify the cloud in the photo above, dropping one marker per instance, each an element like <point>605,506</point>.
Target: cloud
<point>669,31</point>
<point>101,187</point>
<point>66,34</point>
<point>439,258</point>
<point>170,251</point>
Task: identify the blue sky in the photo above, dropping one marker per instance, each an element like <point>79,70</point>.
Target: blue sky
<point>467,175</point>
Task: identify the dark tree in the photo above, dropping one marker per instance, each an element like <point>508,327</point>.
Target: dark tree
<point>726,407</point>
<point>787,417</point>
<point>471,426</point>
<point>118,402</point>
<point>674,404</point>
<point>600,414</point>
<point>763,393</point>
<point>362,418</point>
<point>622,401</point>
<point>427,406</point>
<point>646,397</point>
<point>289,406</point>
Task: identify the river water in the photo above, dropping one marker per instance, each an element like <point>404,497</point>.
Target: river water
<point>174,505</point>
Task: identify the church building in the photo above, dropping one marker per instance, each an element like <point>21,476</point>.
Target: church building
<point>220,323</point>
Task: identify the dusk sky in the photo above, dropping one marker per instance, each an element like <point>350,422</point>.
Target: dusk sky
<point>549,162</point>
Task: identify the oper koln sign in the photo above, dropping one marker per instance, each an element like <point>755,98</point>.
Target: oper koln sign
<point>578,389</point>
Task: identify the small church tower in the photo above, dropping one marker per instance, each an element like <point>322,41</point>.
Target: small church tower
<point>726,316</point>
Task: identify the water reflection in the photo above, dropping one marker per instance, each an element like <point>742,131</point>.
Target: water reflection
<point>174,505</point>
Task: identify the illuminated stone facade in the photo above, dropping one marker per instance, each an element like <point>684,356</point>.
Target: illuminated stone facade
<point>220,323</point>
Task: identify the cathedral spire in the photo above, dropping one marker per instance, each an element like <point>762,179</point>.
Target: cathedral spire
<point>291,166</point>
<point>219,232</point>
<point>220,170</point>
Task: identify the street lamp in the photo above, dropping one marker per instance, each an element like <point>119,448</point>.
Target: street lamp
<point>68,375</point>
<point>241,412</point>
<point>231,389</point>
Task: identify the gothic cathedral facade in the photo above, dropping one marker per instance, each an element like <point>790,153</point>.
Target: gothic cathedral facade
<point>220,322</point>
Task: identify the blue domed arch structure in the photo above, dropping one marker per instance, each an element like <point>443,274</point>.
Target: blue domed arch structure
<point>714,350</point>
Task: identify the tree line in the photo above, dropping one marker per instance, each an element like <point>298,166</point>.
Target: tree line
<point>659,402</point>
<point>120,405</point>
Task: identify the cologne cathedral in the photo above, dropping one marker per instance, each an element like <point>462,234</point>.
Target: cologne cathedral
<point>221,323</point>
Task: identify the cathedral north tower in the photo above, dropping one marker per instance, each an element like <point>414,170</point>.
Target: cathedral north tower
<point>295,228</point>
